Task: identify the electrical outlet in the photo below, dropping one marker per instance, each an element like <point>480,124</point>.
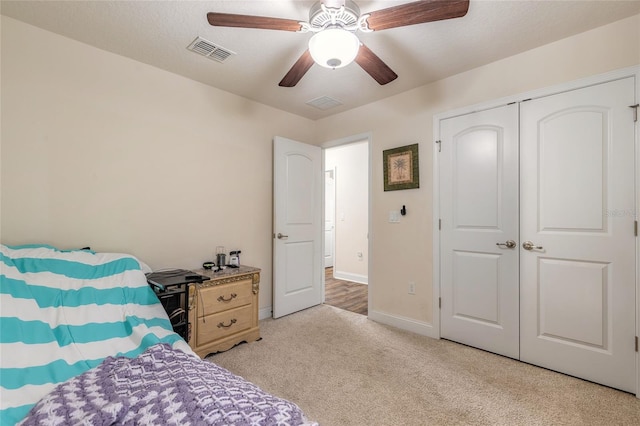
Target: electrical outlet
<point>412,287</point>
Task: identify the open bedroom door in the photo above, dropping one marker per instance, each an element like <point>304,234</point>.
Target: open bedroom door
<point>297,226</point>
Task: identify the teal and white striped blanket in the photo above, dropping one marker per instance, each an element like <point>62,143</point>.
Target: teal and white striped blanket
<point>64,312</point>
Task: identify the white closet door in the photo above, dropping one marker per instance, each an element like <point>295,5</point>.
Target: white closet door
<point>577,203</point>
<point>479,210</point>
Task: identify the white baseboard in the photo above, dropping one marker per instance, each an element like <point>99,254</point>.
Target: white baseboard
<point>265,313</point>
<point>408,324</point>
<point>356,278</point>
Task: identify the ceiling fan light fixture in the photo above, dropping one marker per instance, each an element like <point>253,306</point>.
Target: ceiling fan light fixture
<point>334,47</point>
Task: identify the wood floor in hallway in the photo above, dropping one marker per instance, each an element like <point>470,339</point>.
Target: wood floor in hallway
<point>345,295</point>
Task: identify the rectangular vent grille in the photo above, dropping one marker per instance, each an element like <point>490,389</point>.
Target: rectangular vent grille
<point>324,102</point>
<point>210,50</point>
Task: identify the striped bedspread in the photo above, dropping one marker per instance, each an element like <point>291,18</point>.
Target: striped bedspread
<point>64,312</point>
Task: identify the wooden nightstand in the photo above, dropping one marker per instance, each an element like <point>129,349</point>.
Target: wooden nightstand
<point>224,310</point>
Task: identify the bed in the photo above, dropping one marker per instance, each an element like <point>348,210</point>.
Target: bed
<point>84,340</point>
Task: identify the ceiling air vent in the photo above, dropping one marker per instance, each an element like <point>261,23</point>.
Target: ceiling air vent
<point>210,50</point>
<point>324,102</point>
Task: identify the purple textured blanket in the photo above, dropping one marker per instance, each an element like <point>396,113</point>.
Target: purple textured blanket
<point>162,386</point>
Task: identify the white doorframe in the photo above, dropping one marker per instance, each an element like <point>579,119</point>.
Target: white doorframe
<point>334,172</point>
<point>563,87</point>
<point>637,214</point>
<point>345,141</point>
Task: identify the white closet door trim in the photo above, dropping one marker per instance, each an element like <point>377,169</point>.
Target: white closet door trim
<point>633,71</point>
<point>637,213</point>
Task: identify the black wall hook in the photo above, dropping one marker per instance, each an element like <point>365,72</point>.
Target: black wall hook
<point>403,210</point>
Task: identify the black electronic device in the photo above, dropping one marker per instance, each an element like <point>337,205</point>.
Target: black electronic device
<point>174,277</point>
<point>172,288</point>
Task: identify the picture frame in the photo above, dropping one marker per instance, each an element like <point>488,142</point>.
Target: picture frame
<point>401,168</point>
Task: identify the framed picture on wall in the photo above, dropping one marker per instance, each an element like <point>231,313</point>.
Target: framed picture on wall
<point>401,168</point>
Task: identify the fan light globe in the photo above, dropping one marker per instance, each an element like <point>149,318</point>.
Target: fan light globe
<point>334,47</point>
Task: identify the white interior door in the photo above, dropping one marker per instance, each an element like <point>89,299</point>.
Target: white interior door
<point>329,216</point>
<point>479,231</point>
<point>577,198</point>
<point>297,243</point>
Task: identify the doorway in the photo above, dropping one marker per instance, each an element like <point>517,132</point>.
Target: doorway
<point>346,219</point>
<point>347,295</point>
<point>534,264</point>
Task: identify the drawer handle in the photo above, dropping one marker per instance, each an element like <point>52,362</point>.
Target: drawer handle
<point>221,325</point>
<point>222,299</point>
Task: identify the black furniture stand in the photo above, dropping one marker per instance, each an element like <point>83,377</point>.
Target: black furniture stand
<point>172,289</point>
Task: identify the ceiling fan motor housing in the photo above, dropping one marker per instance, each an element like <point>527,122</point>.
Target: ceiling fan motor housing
<point>346,17</point>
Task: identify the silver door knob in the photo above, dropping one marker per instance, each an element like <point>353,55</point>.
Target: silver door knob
<point>507,244</point>
<point>281,236</point>
<point>528,245</point>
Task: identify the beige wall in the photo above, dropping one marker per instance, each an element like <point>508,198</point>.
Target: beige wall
<point>352,209</point>
<point>407,118</point>
<point>104,151</point>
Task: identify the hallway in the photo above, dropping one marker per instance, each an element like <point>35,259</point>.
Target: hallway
<point>345,295</point>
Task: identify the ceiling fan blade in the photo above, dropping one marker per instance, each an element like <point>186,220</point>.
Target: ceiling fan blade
<point>374,66</point>
<point>248,21</point>
<point>298,70</point>
<point>417,12</point>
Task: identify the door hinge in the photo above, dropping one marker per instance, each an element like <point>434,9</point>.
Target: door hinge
<point>636,343</point>
<point>635,112</point>
<point>439,224</point>
<point>439,143</point>
<point>440,307</point>
<point>635,228</point>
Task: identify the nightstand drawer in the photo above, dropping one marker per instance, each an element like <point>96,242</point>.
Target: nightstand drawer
<point>223,324</point>
<point>228,296</point>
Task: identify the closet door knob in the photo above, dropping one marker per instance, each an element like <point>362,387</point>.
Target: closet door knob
<point>507,244</point>
<point>282,236</point>
<point>528,245</point>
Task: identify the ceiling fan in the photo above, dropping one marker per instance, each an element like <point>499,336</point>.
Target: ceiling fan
<point>334,24</point>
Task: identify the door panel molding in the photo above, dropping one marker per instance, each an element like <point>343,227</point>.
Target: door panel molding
<point>469,287</point>
<point>584,211</point>
<point>559,295</point>
<point>477,182</point>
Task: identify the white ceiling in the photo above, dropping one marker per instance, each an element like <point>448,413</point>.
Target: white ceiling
<point>158,32</point>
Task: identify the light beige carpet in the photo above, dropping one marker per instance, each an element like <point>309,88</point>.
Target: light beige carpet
<point>343,369</point>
